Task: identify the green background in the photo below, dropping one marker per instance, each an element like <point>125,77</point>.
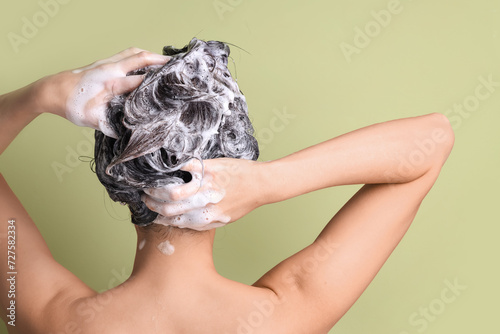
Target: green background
<point>428,58</point>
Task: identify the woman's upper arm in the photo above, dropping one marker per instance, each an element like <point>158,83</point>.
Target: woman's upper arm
<point>35,278</point>
<point>320,283</point>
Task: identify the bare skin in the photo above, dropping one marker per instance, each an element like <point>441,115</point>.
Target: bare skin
<point>182,292</point>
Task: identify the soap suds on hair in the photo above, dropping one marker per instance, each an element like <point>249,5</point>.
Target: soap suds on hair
<point>166,247</point>
<point>189,108</point>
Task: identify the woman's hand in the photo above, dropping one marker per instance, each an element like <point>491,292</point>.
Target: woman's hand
<point>221,192</point>
<point>82,95</point>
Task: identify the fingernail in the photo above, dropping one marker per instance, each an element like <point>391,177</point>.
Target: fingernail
<point>165,58</point>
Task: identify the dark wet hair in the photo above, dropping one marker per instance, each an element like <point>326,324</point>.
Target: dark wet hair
<point>189,108</point>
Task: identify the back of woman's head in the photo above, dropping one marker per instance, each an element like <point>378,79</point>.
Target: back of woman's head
<point>189,108</point>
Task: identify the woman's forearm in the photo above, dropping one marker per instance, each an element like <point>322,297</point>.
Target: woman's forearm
<point>391,152</point>
<point>17,110</point>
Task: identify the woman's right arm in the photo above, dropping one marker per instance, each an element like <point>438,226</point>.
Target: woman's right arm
<point>398,161</point>
<point>392,152</point>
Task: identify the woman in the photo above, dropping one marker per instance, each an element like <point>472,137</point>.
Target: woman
<point>174,287</point>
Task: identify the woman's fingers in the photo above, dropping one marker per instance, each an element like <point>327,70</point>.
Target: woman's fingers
<point>164,194</point>
<point>126,84</point>
<point>202,219</point>
<point>211,226</point>
<point>183,191</point>
<point>175,192</point>
<point>87,98</point>
<point>169,208</point>
<point>193,166</point>
<point>192,205</point>
<point>140,60</point>
<point>113,59</point>
<point>166,209</point>
<point>123,54</point>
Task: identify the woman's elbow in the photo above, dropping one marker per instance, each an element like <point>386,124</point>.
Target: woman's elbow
<point>443,137</point>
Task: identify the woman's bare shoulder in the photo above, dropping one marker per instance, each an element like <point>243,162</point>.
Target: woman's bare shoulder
<point>226,307</point>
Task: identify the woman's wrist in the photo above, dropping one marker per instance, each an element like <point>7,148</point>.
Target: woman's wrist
<point>28,101</point>
<point>17,109</point>
<point>290,176</point>
<point>21,103</point>
<point>269,180</point>
<point>38,96</point>
<point>49,93</point>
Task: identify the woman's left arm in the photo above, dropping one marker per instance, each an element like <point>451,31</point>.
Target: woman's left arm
<point>33,281</point>
<point>30,277</point>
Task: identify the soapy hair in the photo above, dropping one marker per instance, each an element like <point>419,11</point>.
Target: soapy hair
<point>188,108</point>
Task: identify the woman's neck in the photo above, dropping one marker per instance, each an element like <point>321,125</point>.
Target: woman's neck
<point>180,258</point>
